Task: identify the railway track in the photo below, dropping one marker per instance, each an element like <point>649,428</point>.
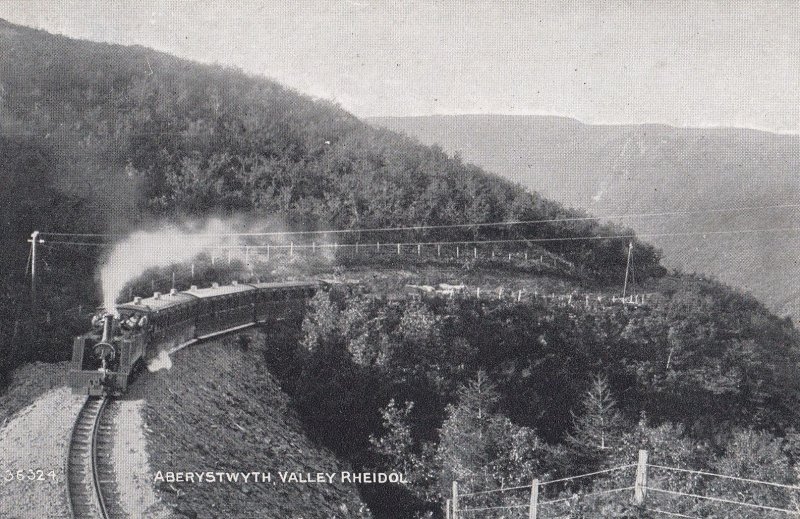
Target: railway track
<point>91,488</point>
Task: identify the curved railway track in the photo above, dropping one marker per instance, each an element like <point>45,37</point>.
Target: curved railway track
<point>91,488</point>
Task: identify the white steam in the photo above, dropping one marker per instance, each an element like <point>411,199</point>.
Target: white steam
<point>172,244</point>
<point>165,246</point>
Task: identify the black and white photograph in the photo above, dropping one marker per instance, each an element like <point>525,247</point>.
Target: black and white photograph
<point>399,259</point>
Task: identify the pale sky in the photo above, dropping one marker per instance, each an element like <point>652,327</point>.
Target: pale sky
<point>693,63</point>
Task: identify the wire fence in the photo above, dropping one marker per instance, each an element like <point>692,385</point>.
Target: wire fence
<point>644,496</point>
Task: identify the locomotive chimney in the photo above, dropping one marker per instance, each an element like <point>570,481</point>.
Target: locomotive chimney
<point>173,291</point>
<point>108,322</point>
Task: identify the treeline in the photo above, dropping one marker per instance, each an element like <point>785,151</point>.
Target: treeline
<point>496,393</point>
<point>99,138</point>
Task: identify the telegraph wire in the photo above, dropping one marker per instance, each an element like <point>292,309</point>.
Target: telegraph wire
<point>469,242</point>
<point>507,223</point>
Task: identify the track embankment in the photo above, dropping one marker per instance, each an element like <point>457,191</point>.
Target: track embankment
<point>218,409</point>
<point>33,445</point>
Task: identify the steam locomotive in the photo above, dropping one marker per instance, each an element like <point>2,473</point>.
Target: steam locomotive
<point>105,359</point>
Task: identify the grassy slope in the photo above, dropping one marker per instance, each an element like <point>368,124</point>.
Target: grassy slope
<point>218,408</point>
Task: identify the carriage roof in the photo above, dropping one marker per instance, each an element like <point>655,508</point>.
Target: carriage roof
<point>222,290</point>
<point>154,304</point>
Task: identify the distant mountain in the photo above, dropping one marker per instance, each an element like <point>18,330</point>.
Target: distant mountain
<point>634,169</point>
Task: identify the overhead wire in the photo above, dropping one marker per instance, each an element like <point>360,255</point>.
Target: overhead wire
<point>462,225</point>
<point>476,242</point>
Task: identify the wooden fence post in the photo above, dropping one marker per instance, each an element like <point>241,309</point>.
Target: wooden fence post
<point>526,255</point>
<point>447,509</point>
<point>438,249</point>
<point>457,251</point>
<point>474,252</point>
<point>398,248</point>
<point>454,510</point>
<point>534,508</point>
<point>356,247</point>
<point>291,248</point>
<point>213,260</point>
<point>268,252</point>
<point>313,247</point>
<point>192,270</point>
<point>419,249</point>
<point>640,487</point>
<point>229,256</point>
<point>377,246</point>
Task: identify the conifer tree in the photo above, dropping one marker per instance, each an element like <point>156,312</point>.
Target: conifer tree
<point>598,429</point>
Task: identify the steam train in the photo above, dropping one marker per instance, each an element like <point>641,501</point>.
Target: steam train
<point>105,359</point>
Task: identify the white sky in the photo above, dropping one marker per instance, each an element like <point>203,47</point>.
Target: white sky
<point>698,63</point>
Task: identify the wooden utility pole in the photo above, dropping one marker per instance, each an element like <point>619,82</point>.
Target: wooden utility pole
<point>627,270</point>
<point>534,507</point>
<point>454,503</point>
<point>33,241</point>
<point>640,487</point>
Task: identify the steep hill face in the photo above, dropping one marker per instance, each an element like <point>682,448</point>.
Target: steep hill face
<point>98,138</point>
<point>217,408</point>
<point>629,169</point>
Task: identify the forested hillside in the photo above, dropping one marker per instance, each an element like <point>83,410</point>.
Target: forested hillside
<point>650,168</point>
<point>100,138</point>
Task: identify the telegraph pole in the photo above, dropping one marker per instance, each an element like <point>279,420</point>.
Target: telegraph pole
<point>33,241</point>
<point>627,269</point>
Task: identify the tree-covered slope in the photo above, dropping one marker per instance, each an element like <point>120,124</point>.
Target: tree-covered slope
<point>99,138</point>
<point>635,169</point>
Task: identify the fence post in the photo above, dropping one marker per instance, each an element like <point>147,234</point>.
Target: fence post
<point>377,246</point>
<point>447,509</point>
<point>438,249</point>
<point>268,252</point>
<point>534,508</point>
<point>192,270</point>
<point>454,510</point>
<point>229,256</point>
<point>509,256</point>
<point>519,296</point>
<point>474,252</point>
<point>213,260</point>
<point>419,249</point>
<point>478,293</point>
<point>526,255</point>
<point>457,251</point>
<point>398,248</point>
<point>291,248</point>
<point>356,247</point>
<point>313,247</point>
<point>640,487</point>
